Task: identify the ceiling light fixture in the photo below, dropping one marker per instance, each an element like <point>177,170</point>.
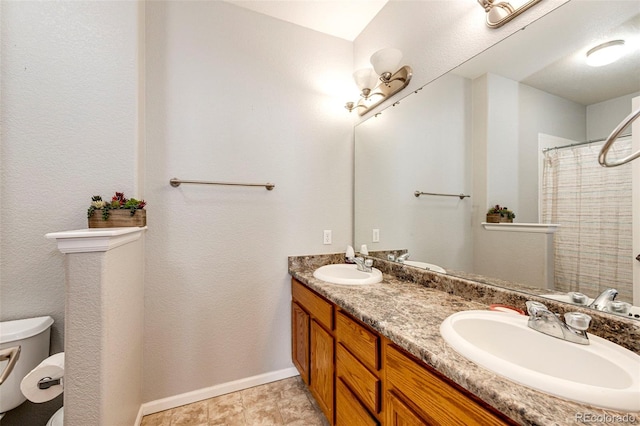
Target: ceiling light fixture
<point>499,13</point>
<point>381,82</point>
<point>605,53</point>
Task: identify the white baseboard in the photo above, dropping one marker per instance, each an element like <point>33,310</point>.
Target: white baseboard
<point>213,391</point>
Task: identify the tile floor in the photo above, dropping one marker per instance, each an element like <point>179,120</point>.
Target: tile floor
<point>285,402</point>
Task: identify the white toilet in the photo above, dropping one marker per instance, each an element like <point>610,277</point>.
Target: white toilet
<point>57,419</point>
<point>23,345</point>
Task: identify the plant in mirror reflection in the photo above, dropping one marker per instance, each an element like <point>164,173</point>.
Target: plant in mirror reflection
<point>502,211</point>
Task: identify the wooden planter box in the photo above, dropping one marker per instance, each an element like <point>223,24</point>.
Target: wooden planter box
<point>118,218</point>
<point>496,218</point>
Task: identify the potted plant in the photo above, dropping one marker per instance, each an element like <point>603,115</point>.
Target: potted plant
<point>117,213</point>
<point>498,214</point>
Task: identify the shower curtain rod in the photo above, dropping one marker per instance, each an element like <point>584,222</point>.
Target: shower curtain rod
<point>571,145</point>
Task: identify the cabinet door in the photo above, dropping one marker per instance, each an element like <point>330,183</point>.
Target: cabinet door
<point>321,380</point>
<point>300,340</point>
<point>398,414</point>
<point>435,398</point>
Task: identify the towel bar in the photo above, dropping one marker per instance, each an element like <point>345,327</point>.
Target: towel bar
<point>461,196</point>
<point>175,182</point>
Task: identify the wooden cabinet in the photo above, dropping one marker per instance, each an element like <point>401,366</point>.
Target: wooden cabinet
<point>398,414</point>
<point>321,383</point>
<point>362,342</point>
<point>363,383</point>
<point>349,410</point>
<point>361,378</point>
<point>312,345</point>
<point>300,340</point>
<point>358,370</point>
<point>417,394</point>
<point>316,306</point>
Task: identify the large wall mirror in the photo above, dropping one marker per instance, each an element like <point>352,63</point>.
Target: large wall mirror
<point>519,125</point>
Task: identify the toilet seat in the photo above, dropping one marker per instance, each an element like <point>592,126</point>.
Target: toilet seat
<point>57,419</point>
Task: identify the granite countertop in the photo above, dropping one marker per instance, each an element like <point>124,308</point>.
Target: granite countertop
<point>410,314</point>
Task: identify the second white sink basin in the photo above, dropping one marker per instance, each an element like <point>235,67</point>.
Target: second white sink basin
<point>424,265</point>
<point>601,374</point>
<point>347,274</point>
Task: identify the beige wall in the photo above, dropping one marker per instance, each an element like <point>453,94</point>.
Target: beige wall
<point>233,95</point>
<point>68,112</point>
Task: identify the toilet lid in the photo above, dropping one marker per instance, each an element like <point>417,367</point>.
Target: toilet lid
<point>57,419</point>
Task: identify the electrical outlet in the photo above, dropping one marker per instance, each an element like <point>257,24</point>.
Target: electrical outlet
<point>326,238</point>
<point>376,236</point>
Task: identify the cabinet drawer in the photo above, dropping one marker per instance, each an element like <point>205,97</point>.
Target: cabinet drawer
<point>349,411</point>
<point>361,342</point>
<point>361,381</point>
<point>439,401</point>
<point>317,307</point>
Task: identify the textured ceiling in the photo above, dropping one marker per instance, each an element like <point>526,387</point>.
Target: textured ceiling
<point>550,53</point>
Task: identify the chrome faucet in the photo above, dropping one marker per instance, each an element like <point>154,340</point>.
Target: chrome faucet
<point>362,264</point>
<point>600,303</point>
<point>402,257</point>
<point>574,329</point>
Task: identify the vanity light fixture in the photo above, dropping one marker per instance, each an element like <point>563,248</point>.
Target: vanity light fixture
<point>605,53</point>
<point>501,12</point>
<point>381,82</point>
<point>350,106</point>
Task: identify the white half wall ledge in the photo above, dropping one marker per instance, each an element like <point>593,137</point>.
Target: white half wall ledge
<point>537,228</point>
<point>95,239</point>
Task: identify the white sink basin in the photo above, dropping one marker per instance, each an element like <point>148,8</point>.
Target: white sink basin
<point>347,274</point>
<point>601,374</point>
<point>424,265</point>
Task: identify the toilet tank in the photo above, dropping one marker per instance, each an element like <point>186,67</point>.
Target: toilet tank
<point>32,335</point>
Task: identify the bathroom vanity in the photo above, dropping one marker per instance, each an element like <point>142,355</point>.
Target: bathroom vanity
<point>414,393</point>
<point>373,354</point>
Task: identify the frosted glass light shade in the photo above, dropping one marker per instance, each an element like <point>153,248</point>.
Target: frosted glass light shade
<point>365,78</point>
<point>605,53</point>
<point>386,60</point>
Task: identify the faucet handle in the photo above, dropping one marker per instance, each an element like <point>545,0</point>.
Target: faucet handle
<point>368,263</point>
<point>578,298</point>
<point>533,308</point>
<point>577,320</point>
<point>618,307</point>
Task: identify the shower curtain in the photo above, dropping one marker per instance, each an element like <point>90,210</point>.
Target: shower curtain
<point>592,204</point>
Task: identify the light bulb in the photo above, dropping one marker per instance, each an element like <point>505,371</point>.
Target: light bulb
<point>386,61</point>
<point>365,78</point>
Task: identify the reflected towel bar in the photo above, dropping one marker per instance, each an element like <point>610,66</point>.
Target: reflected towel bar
<point>461,196</point>
<point>175,182</point>
<point>602,158</point>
